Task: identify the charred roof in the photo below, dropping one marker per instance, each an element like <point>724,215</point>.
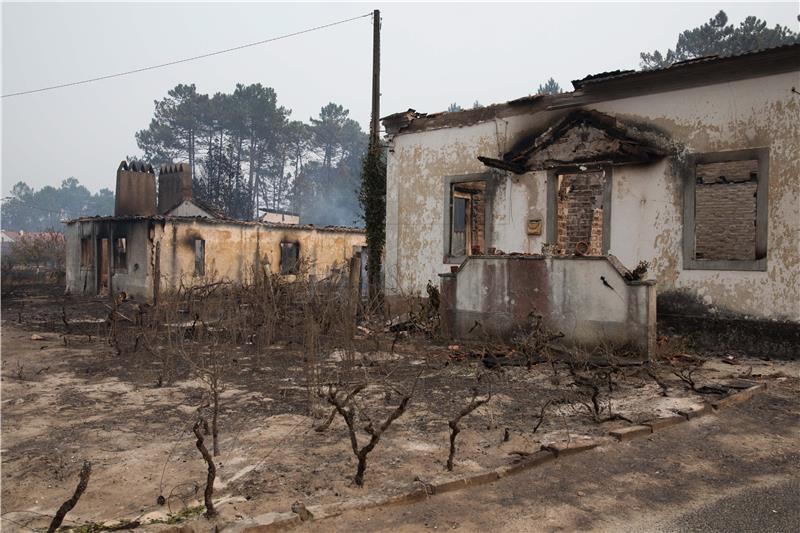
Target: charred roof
<point>613,85</point>
<point>206,220</point>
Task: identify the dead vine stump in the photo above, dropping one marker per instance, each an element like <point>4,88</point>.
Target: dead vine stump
<point>86,472</point>
<point>455,429</point>
<point>212,470</point>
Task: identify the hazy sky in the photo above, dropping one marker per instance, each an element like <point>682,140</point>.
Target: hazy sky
<point>432,55</point>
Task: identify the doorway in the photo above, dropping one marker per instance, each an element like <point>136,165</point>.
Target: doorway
<point>582,212</point>
<point>467,218</point>
<point>102,265</point>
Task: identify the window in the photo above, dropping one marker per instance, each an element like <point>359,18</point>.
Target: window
<point>199,257</point>
<point>290,255</point>
<point>467,219</point>
<point>86,253</point>
<point>726,211</point>
<point>120,253</point>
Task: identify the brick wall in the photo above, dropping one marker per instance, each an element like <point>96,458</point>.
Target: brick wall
<point>580,197</point>
<point>727,171</point>
<point>596,240</point>
<point>725,215</point>
<point>725,210</point>
<point>478,221</point>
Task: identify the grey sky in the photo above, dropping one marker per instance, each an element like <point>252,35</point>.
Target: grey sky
<point>432,55</point>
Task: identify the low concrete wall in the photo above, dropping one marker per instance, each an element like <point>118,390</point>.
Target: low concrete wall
<point>585,298</point>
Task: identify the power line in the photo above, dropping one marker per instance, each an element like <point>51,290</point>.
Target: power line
<point>186,60</point>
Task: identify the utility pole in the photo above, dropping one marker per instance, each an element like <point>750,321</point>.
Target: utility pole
<point>373,175</point>
<point>374,127</point>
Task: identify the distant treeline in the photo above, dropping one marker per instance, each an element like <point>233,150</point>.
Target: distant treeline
<point>29,210</point>
<point>246,154</point>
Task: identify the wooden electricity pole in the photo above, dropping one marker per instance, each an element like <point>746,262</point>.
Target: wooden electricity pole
<point>376,78</point>
<point>373,176</point>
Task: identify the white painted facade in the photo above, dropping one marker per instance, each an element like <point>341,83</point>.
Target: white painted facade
<point>647,200</point>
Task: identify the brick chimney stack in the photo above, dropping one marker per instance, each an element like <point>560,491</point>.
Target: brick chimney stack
<point>136,189</point>
<point>174,186</point>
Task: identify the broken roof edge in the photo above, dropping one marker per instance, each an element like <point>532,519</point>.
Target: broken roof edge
<point>206,220</point>
<point>612,86</point>
<point>789,50</point>
<point>411,121</point>
<point>212,211</point>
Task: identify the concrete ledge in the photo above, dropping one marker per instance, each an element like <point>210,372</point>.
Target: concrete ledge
<point>449,486</point>
<point>630,433</point>
<point>415,495</point>
<point>563,449</point>
<point>659,424</point>
<point>534,459</point>
<point>268,523</point>
<point>739,397</point>
<point>465,481</point>
<point>697,412</point>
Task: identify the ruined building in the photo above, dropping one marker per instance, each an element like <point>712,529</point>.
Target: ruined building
<point>157,243</point>
<point>532,206</point>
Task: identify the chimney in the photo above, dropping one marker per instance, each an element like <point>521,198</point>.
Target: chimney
<point>174,186</point>
<point>136,190</point>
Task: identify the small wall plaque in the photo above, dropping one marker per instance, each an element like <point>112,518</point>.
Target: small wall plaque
<point>535,226</point>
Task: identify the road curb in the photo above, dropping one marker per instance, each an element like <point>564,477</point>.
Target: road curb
<point>273,522</point>
<point>739,397</point>
<point>660,424</point>
<point>631,432</point>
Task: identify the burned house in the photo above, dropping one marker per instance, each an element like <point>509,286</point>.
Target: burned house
<point>533,206</point>
<point>156,243</point>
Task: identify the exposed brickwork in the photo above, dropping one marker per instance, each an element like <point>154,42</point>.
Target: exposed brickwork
<point>745,170</point>
<point>596,242</point>
<point>725,210</point>
<point>477,212</point>
<point>580,203</point>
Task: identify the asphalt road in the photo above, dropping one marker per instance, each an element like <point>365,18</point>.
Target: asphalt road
<point>756,508</point>
<point>734,471</point>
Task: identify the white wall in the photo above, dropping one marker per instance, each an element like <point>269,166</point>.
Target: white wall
<point>646,215</point>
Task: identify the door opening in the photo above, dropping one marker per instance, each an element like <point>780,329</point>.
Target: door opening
<point>102,265</point>
<point>580,213</point>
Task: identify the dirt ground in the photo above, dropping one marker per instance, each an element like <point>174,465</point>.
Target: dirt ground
<point>67,396</point>
<point>737,470</point>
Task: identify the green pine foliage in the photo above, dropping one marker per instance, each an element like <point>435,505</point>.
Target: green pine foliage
<point>717,37</point>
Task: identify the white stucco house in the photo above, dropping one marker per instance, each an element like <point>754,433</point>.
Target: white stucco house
<point>693,168</point>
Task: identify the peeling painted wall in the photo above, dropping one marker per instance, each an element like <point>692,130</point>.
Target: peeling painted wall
<point>134,279</point>
<point>233,250</point>
<point>586,299</point>
<point>647,200</point>
<point>163,248</point>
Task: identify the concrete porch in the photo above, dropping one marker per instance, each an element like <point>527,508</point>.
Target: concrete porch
<point>588,299</point>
